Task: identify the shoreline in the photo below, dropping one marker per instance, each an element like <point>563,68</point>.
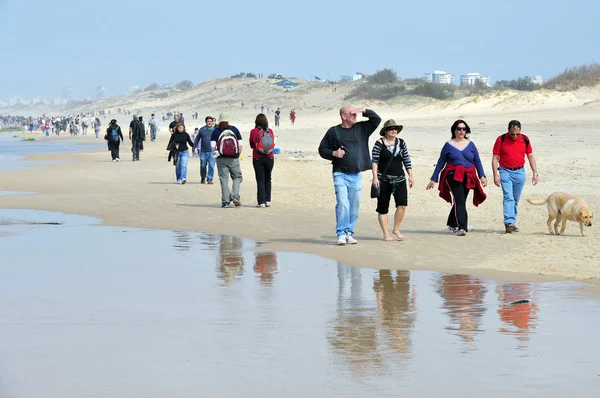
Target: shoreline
<point>303,213</point>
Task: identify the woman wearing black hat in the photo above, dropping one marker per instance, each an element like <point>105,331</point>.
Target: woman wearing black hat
<point>113,137</point>
<point>389,155</point>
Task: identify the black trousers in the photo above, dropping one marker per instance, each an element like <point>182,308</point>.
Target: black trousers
<point>114,149</point>
<point>262,170</point>
<point>136,145</point>
<point>458,217</point>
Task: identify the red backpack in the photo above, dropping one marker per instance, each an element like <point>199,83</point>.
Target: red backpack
<point>228,145</point>
<point>265,141</point>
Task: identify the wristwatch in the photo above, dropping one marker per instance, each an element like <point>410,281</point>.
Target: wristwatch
<point>536,174</point>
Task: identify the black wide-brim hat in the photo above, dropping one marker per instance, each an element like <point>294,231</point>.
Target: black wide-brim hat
<point>388,124</point>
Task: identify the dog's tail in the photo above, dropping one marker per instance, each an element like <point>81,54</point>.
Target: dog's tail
<point>538,202</point>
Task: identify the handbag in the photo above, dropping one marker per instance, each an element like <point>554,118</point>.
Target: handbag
<point>375,191</point>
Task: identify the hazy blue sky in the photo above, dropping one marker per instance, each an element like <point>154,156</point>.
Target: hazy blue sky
<point>119,43</point>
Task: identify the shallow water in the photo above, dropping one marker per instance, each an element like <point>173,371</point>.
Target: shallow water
<point>11,148</point>
<point>93,311</point>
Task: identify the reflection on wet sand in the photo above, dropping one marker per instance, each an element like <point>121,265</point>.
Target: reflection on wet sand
<point>518,319</point>
<point>183,241</point>
<point>463,299</point>
<point>230,265</point>
<point>369,334</point>
<point>265,265</point>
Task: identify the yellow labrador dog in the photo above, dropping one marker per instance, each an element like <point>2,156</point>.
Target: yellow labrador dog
<point>564,207</point>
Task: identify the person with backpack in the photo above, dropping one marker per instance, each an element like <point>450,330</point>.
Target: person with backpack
<point>508,165</point>
<point>137,134</point>
<point>179,141</point>
<point>262,142</point>
<point>113,137</point>
<point>226,143</point>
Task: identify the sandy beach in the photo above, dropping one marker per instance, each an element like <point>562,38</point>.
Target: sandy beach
<point>563,127</point>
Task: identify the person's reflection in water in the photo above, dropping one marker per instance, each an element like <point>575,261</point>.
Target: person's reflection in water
<point>353,332</point>
<point>519,318</point>
<point>231,258</point>
<point>182,241</point>
<point>265,265</point>
<point>464,300</point>
<point>397,308</point>
<point>209,241</point>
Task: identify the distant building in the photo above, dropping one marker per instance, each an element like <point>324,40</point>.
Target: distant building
<point>15,101</point>
<point>345,78</point>
<point>357,76</point>
<point>439,76</point>
<point>538,80</point>
<point>36,100</point>
<point>471,78</point>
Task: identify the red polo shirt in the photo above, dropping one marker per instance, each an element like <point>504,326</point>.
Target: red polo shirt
<point>512,152</point>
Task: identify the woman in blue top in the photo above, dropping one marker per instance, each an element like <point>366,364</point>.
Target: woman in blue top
<point>461,166</point>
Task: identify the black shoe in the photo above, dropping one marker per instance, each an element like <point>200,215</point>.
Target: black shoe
<point>225,204</point>
<point>202,181</point>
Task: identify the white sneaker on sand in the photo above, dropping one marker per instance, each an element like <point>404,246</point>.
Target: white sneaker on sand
<point>117,159</point>
<point>350,239</point>
<point>461,232</point>
<point>453,230</point>
<point>268,204</point>
<point>341,241</point>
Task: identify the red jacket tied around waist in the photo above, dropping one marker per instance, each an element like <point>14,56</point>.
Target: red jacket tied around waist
<point>468,176</point>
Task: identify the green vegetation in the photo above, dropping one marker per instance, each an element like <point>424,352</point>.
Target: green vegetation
<point>153,86</point>
<point>520,84</point>
<point>184,85</point>
<point>28,139</point>
<point>575,77</point>
<point>385,76</point>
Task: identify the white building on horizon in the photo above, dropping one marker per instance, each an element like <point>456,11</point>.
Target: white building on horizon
<point>538,80</point>
<point>471,78</point>
<point>439,76</point>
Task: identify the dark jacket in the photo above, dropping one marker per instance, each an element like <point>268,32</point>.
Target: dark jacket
<point>354,140</point>
<point>109,131</point>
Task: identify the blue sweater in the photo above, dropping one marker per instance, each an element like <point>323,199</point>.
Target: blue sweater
<point>467,157</point>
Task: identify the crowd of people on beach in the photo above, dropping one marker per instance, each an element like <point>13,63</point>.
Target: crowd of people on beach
<point>219,145</point>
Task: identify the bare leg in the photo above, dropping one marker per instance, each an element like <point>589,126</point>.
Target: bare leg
<point>398,217</point>
<point>383,223</point>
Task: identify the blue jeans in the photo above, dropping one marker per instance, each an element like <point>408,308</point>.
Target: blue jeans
<point>207,159</point>
<point>181,166</point>
<point>512,182</point>
<point>347,196</point>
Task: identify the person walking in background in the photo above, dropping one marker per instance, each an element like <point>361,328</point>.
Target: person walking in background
<point>508,165</point>
<point>180,140</point>
<point>459,163</point>
<point>226,143</point>
<point>194,135</point>
<point>277,117</point>
<point>114,137</point>
<point>137,134</point>
<point>153,127</point>
<point>293,116</point>
<point>262,142</point>
<point>389,154</point>
<point>347,146</point>
<point>97,127</point>
<point>203,149</point>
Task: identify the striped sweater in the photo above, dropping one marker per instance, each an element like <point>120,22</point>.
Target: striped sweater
<point>381,155</point>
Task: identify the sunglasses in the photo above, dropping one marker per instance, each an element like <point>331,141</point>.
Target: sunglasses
<point>461,129</point>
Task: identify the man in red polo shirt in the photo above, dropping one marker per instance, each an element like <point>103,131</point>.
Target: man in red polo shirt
<point>508,164</point>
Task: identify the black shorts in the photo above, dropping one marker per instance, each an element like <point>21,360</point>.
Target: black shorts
<point>385,194</point>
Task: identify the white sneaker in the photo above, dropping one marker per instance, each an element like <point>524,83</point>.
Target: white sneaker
<point>114,160</point>
<point>350,239</point>
<point>178,181</point>
<point>268,204</point>
<point>453,230</point>
<point>117,159</point>
<point>341,241</point>
<point>183,181</point>
<point>461,232</point>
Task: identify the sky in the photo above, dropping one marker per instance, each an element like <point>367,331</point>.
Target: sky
<point>124,43</point>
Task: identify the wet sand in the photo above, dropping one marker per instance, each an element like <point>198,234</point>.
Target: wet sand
<point>144,194</point>
<point>97,311</point>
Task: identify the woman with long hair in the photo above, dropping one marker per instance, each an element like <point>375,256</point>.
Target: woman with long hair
<point>262,142</point>
<point>179,141</point>
<point>462,172</point>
